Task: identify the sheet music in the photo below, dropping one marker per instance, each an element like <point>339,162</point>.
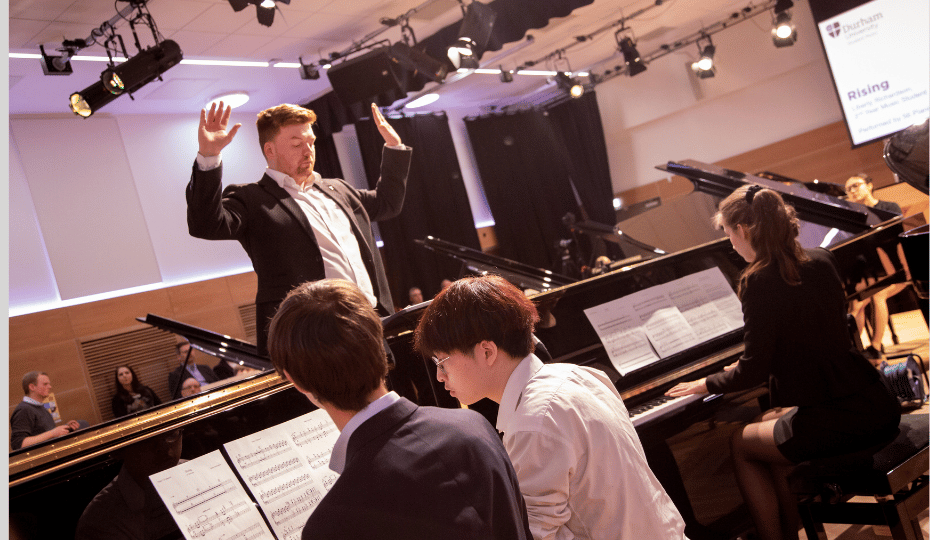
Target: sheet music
<point>206,500</point>
<point>620,331</point>
<point>707,303</point>
<point>286,467</point>
<point>654,323</point>
<point>667,329</point>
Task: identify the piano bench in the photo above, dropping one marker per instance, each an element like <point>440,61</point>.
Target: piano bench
<point>894,474</point>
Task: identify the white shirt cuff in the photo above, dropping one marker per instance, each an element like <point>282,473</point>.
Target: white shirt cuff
<point>208,163</point>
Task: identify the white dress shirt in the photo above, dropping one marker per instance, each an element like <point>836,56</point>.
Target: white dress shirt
<point>581,466</point>
<point>342,257</point>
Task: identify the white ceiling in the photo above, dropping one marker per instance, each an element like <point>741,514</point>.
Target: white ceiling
<point>210,29</point>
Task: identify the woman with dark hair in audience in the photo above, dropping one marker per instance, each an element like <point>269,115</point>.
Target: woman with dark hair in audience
<point>827,398</point>
<point>131,395</point>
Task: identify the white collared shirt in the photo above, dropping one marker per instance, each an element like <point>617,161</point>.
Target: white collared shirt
<point>580,463</point>
<point>332,228</point>
<point>337,460</point>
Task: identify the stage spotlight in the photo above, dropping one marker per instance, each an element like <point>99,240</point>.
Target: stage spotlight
<point>56,65</point>
<point>784,34</point>
<point>89,100</point>
<point>264,9</point>
<point>634,63</point>
<point>574,88</point>
<point>506,75</point>
<point>127,77</point>
<point>473,36</point>
<point>705,67</point>
<point>418,61</point>
<point>309,72</point>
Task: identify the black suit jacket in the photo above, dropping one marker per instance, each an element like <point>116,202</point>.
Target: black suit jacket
<point>277,236</point>
<point>423,473</point>
<point>175,376</point>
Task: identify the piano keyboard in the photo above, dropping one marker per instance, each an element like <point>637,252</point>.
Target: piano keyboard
<point>663,406</point>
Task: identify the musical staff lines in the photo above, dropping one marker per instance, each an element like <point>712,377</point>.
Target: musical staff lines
<point>206,523</point>
<point>203,497</point>
<point>261,454</point>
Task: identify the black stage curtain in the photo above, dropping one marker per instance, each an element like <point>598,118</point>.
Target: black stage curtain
<point>329,119</point>
<point>525,160</point>
<point>436,204</point>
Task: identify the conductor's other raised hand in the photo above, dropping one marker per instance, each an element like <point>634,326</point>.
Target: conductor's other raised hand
<point>391,138</point>
<point>212,135</point>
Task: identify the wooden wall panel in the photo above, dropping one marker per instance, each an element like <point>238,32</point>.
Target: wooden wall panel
<point>242,287</point>
<point>61,360</point>
<point>116,313</point>
<point>38,329</point>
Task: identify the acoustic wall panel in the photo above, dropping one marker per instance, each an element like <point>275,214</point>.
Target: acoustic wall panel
<point>86,203</point>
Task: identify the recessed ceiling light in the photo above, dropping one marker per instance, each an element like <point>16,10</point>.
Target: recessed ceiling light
<point>233,99</point>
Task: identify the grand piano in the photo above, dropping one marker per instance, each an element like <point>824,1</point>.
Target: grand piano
<point>50,484</point>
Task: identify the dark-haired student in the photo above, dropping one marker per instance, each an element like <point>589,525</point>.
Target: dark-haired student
<point>406,472</point>
<point>827,398</point>
<point>582,468</point>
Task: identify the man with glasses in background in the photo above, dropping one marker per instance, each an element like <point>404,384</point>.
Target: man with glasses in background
<point>405,471</point>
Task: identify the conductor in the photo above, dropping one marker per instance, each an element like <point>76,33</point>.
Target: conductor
<point>295,225</point>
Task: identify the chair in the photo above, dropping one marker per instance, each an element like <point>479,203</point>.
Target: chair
<point>894,474</point>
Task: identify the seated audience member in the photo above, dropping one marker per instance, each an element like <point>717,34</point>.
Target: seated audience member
<point>406,472</point>
<point>131,395</point>
<point>580,463</point>
<point>31,423</point>
<point>827,399</point>
<point>444,284</point>
<point>859,190</point>
<point>415,295</point>
<point>129,508</point>
<point>203,373</point>
<point>190,387</point>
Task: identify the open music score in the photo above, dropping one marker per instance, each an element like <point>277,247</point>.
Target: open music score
<point>285,467</point>
<point>206,500</point>
<point>654,323</point>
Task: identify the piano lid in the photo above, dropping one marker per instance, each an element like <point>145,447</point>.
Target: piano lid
<point>218,345</point>
<point>521,275</point>
<point>811,206</point>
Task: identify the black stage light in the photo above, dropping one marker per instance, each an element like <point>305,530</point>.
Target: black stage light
<point>574,88</point>
<point>506,75</point>
<point>473,36</point>
<point>239,5</point>
<point>784,33</point>
<point>265,13</point>
<point>634,63</point>
<point>309,72</point>
<point>89,100</point>
<point>705,67</point>
<point>55,65</point>
<point>418,61</point>
<point>127,77</point>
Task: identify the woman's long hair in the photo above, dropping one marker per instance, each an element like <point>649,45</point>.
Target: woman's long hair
<point>136,385</point>
<point>772,230</point>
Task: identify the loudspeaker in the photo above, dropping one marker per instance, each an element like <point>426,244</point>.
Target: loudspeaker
<point>365,77</point>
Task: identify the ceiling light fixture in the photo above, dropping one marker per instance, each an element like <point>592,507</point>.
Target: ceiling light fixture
<point>571,86</point>
<point>264,9</point>
<point>232,99</point>
<point>473,36</point>
<point>127,77</point>
<point>784,33</point>
<point>705,67</point>
<point>632,59</point>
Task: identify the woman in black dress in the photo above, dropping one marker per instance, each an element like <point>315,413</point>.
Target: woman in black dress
<point>131,395</point>
<point>827,398</point>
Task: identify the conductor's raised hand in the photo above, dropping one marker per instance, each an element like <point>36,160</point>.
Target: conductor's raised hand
<point>212,135</point>
<point>688,388</point>
<point>391,138</point>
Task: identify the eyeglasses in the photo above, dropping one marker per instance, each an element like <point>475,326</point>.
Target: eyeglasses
<point>439,365</point>
<point>853,187</point>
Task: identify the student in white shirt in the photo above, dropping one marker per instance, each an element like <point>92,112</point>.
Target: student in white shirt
<point>580,463</point>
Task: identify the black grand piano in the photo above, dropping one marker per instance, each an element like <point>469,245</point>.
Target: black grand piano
<point>50,484</point>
